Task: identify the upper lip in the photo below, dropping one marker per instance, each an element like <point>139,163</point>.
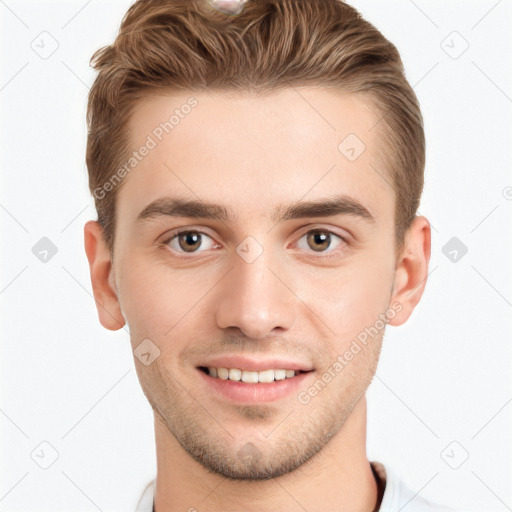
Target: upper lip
<point>255,364</point>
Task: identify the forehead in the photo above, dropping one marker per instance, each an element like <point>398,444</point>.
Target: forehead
<point>254,152</point>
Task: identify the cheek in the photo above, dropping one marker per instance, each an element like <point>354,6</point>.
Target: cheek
<point>157,301</point>
<point>144,298</point>
<point>350,298</point>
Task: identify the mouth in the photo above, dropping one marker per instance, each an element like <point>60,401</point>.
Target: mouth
<point>251,376</point>
<point>242,386</point>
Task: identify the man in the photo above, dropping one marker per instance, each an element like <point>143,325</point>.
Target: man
<point>257,167</point>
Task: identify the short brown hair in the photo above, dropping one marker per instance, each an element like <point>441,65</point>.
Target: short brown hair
<point>271,44</point>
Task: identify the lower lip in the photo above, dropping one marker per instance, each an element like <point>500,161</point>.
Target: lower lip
<point>238,391</point>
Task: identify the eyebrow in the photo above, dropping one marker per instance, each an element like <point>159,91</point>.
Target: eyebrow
<point>327,207</point>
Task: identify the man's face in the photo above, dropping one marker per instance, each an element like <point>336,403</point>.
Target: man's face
<point>255,283</point>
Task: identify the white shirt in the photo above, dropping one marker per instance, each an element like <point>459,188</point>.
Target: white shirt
<point>396,495</point>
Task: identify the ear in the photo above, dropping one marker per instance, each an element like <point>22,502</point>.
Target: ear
<point>102,277</point>
<point>411,270</point>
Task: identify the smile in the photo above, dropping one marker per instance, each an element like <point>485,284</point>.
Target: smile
<point>250,376</point>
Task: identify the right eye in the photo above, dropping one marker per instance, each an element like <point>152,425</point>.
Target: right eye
<point>189,241</point>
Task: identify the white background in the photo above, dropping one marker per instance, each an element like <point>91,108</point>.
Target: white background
<point>443,387</point>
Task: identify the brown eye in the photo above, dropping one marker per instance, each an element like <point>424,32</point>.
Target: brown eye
<point>190,242</point>
<point>320,240</point>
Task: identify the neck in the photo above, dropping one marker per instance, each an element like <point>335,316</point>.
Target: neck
<point>338,478</point>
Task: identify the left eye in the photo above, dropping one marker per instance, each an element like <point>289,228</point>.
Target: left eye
<point>319,240</point>
<point>190,241</point>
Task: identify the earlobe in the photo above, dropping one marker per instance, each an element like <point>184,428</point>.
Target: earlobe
<point>411,270</point>
<point>102,279</point>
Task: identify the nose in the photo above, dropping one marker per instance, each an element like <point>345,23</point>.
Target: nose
<point>253,299</point>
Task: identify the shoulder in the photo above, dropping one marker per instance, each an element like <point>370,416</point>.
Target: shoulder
<point>145,503</point>
<point>397,495</point>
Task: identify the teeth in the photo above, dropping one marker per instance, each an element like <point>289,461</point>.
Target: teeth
<point>251,377</point>
<point>279,374</point>
<point>222,373</point>
<point>248,376</point>
<point>265,376</point>
<point>235,374</point>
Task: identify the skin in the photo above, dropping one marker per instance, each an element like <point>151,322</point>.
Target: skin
<point>299,298</point>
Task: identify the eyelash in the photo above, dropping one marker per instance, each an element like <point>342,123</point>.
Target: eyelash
<point>327,254</point>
